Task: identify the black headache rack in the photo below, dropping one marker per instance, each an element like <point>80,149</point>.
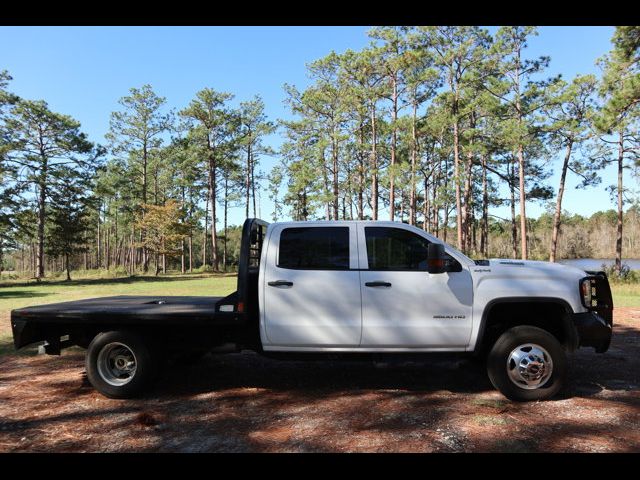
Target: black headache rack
<point>601,298</point>
<point>245,299</point>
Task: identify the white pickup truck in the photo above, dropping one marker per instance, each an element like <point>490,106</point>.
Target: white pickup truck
<point>345,288</point>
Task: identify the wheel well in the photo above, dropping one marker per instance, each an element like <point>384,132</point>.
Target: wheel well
<point>552,316</point>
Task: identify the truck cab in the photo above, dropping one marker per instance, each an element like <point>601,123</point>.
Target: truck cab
<point>339,286</point>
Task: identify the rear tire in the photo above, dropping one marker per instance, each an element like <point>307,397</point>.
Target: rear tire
<point>120,364</point>
<point>527,364</point>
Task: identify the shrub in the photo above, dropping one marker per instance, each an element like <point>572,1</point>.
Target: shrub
<point>626,275</point>
<point>203,269</point>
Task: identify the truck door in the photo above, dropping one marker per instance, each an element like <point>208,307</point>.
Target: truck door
<point>312,287</point>
<point>402,304</point>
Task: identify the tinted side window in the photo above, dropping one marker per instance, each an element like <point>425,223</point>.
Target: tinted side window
<point>395,249</point>
<point>391,248</point>
<point>314,248</point>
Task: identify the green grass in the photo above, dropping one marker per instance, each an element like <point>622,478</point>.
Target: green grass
<point>626,294</point>
<point>489,402</point>
<point>16,294</point>
<point>490,420</point>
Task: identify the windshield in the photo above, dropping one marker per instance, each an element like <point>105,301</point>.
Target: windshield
<point>458,254</point>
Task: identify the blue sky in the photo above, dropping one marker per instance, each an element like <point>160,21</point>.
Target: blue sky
<point>83,71</point>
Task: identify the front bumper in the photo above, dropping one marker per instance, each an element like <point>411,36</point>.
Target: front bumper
<point>593,331</point>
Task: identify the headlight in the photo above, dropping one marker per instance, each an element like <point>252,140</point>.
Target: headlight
<point>585,291</point>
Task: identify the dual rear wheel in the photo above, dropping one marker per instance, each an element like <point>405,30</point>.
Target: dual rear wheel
<point>120,364</point>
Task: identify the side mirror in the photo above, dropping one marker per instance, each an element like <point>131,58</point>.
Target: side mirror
<point>436,258</point>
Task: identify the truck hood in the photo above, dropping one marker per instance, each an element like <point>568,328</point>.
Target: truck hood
<point>510,268</point>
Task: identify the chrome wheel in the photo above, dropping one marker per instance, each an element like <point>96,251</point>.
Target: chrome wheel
<point>116,364</point>
<point>529,366</point>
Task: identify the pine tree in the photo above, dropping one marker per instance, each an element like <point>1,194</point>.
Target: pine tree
<point>214,129</point>
<point>523,99</point>
<point>68,216</point>
<point>134,133</point>
<point>571,114</point>
<point>457,51</point>
<point>620,116</point>
<point>44,144</point>
<point>254,128</point>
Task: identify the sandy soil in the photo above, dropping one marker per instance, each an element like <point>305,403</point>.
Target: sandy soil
<point>246,403</point>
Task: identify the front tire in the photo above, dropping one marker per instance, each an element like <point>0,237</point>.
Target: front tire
<point>120,364</point>
<point>527,363</point>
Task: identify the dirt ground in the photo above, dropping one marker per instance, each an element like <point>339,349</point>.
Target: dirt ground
<point>246,403</point>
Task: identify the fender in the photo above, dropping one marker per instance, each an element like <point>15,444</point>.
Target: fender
<point>568,326</point>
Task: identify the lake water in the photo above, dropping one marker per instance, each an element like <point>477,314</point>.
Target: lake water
<point>596,264</point>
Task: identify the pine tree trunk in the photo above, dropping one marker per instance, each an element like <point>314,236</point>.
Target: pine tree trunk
<point>467,204</point>
<point>247,180</point>
<point>620,202</point>
<point>523,213</point>
<point>474,233</point>
<point>206,229</point>
<point>66,263</point>
<point>484,234</point>
<point>145,254</point>
<point>121,252</point>
<point>514,230</point>
<point>425,206</point>
<point>374,165</point>
<point>182,257</point>
<point>394,140</point>
<point>34,261</point>
<point>468,217</point>
<point>523,193</point>
<point>435,206</point>
<point>336,187</point>
<point>456,178</point>
<point>115,224</point>
<point>98,242</point>
<point>226,207</point>
<point>107,238</point>
<point>253,185</point>
<point>42,197</point>
<point>132,258</point>
<point>361,173</point>
<point>325,181</point>
<point>212,201</point>
<point>414,153</point>
<point>558,212</point>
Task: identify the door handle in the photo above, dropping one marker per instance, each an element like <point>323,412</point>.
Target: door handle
<point>281,283</point>
<point>377,284</point>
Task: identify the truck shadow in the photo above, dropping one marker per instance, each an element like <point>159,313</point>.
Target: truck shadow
<point>589,373</point>
<point>250,370</point>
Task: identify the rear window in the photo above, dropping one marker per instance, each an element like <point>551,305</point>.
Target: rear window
<point>314,248</point>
